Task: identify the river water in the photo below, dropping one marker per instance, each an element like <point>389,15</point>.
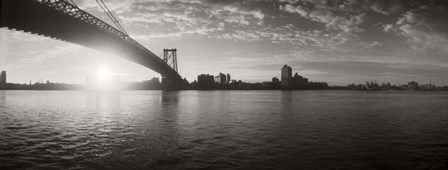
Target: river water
<point>223,130</point>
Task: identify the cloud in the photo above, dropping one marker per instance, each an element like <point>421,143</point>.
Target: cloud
<point>242,36</point>
<point>385,7</point>
<point>24,37</point>
<point>60,50</point>
<point>334,16</point>
<point>235,14</point>
<point>388,27</point>
<point>425,27</point>
<point>197,31</point>
<point>176,18</point>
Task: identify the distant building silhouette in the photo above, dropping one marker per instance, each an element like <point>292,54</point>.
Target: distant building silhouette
<point>3,77</point>
<point>413,85</point>
<point>286,76</point>
<point>206,81</point>
<point>275,80</point>
<point>221,78</point>
<point>228,78</point>
<point>299,81</point>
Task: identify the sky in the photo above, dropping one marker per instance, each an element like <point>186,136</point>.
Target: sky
<point>335,41</point>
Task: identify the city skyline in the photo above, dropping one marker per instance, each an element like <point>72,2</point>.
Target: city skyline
<point>352,42</point>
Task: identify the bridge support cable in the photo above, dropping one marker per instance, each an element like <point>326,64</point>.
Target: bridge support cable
<point>110,15</point>
<point>114,18</point>
<point>73,3</point>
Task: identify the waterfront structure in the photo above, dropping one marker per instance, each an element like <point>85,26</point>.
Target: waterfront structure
<point>299,81</point>
<point>3,77</point>
<point>221,78</point>
<point>275,80</point>
<point>286,76</point>
<point>275,83</point>
<point>413,85</point>
<point>206,81</point>
<point>228,78</point>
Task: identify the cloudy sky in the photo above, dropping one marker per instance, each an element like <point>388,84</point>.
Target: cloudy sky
<point>337,41</point>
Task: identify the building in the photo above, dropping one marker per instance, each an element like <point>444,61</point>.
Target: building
<point>413,85</point>
<point>275,80</point>
<point>3,77</point>
<point>228,78</point>
<point>206,81</point>
<point>221,78</point>
<point>286,76</point>
<point>299,81</point>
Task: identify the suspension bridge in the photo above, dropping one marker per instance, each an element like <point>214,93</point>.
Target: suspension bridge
<point>64,20</point>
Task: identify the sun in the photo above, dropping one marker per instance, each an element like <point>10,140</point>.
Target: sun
<point>103,79</point>
<point>103,74</point>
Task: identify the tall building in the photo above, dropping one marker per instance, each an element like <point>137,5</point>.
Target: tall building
<point>3,77</point>
<point>286,76</point>
<point>228,78</point>
<point>220,78</point>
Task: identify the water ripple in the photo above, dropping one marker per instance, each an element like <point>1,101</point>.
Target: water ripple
<point>223,130</point>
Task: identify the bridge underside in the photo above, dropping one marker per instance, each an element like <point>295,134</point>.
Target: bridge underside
<point>38,18</point>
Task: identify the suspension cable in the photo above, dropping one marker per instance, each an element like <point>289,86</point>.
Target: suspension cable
<point>73,3</point>
<point>111,16</point>
<point>114,18</point>
<point>108,15</point>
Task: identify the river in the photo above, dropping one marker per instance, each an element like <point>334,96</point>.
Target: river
<point>223,130</point>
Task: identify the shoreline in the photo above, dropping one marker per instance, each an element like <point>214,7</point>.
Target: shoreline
<point>2,89</point>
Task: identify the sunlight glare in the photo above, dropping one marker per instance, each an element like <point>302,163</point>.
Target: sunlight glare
<point>103,79</point>
<point>103,74</point>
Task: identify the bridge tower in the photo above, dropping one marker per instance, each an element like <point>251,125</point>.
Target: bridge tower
<point>171,83</point>
<point>170,58</point>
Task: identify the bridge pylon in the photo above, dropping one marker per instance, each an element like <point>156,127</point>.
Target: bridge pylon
<point>170,58</point>
<point>172,82</point>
